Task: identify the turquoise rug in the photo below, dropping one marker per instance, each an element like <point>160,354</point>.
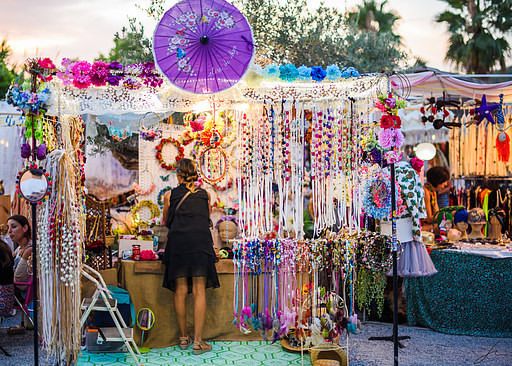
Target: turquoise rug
<point>223,353</point>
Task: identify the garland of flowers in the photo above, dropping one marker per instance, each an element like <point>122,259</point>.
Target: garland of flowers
<point>155,211</point>
<point>158,155</point>
<point>377,196</point>
<point>226,218</point>
<point>82,74</point>
<point>223,188</point>
<point>390,136</point>
<point>160,198</point>
<point>370,286</point>
<point>138,189</point>
<point>292,73</point>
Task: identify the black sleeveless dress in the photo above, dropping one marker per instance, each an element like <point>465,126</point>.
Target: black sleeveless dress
<point>189,251</point>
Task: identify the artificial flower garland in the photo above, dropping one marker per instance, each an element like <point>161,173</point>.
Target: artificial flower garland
<point>160,198</point>
<point>158,155</point>
<point>223,163</point>
<point>291,73</point>
<point>390,137</point>
<point>154,210</point>
<point>143,192</point>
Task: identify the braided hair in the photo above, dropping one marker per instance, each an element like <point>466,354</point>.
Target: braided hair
<point>186,170</point>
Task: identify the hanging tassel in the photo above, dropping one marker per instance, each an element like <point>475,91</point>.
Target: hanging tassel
<point>503,146</point>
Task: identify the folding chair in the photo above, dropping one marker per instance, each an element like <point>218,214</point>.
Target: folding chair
<point>103,301</point>
<point>28,299</point>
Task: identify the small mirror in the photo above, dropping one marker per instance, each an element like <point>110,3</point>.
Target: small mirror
<point>33,185</point>
<point>145,321</point>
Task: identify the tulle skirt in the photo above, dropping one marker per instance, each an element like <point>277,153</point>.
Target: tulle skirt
<point>414,261</point>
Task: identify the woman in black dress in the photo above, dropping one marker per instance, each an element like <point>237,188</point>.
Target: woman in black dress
<point>189,256</point>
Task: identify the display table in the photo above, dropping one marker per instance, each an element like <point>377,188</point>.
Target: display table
<point>470,295</point>
<point>143,280</point>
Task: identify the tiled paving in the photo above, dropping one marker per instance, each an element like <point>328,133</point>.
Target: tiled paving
<point>223,353</point>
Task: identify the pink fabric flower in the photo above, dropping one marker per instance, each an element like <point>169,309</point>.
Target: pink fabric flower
<point>391,138</point>
<point>393,156</point>
<point>81,78</point>
<point>417,164</point>
<point>99,73</point>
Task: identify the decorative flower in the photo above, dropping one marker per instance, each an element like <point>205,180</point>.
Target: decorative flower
<point>304,73</point>
<point>271,71</point>
<point>48,65</point>
<point>333,72</point>
<point>288,72</point>
<point>417,164</point>
<point>41,151</point>
<point>116,73</point>
<point>390,138</point>
<point>317,73</point>
<point>131,83</point>
<point>81,70</point>
<point>99,73</point>
<point>353,72</point>
<point>389,121</point>
<point>25,151</point>
<point>66,75</point>
<point>393,156</point>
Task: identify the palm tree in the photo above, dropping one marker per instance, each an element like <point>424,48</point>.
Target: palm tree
<point>370,16</point>
<point>477,33</point>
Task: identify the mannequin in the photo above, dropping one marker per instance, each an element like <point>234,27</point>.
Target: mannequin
<point>477,220</point>
<point>227,230</point>
<point>495,226</point>
<point>461,223</point>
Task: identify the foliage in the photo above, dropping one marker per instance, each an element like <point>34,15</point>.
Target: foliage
<point>371,17</point>
<point>289,32</point>
<point>131,46</point>
<point>370,287</point>
<point>477,33</point>
<point>7,75</point>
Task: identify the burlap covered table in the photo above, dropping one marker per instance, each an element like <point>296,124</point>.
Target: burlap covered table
<point>143,280</point>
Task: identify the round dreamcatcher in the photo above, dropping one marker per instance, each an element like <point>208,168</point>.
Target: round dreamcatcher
<point>212,165</point>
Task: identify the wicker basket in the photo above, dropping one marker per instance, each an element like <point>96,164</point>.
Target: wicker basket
<point>328,354</point>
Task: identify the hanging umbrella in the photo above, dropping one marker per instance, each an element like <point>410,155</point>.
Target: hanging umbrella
<point>203,46</point>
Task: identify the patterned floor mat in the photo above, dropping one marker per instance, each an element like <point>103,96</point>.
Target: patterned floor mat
<point>223,353</point>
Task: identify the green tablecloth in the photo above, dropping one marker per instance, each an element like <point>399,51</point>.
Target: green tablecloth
<point>470,295</point>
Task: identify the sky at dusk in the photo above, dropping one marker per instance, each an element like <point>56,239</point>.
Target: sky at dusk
<point>84,28</point>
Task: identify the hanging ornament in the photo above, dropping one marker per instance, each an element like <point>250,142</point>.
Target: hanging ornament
<point>502,140</point>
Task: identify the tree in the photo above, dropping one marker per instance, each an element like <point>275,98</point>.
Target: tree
<point>131,46</point>
<point>7,75</point>
<point>477,33</point>
<point>371,17</point>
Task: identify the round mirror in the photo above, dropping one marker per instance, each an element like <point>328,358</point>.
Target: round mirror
<point>33,185</point>
<point>145,319</point>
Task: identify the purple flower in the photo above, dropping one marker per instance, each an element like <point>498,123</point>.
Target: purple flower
<point>99,73</point>
<point>116,73</point>
<point>25,151</point>
<point>317,73</point>
<point>41,151</point>
<point>149,75</point>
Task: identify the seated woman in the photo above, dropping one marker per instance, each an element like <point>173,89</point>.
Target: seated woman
<point>6,279</point>
<point>18,229</point>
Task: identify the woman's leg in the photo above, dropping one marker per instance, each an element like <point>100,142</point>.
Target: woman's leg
<point>199,291</point>
<point>180,304</point>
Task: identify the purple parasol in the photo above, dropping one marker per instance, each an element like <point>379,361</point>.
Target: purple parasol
<point>203,46</point>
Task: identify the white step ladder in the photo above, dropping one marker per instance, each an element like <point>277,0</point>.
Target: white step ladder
<point>103,301</point>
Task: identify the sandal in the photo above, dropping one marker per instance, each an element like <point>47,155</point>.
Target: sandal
<point>201,347</point>
<point>185,342</point>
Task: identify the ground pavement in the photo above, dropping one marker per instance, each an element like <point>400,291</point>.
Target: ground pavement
<point>425,348</point>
